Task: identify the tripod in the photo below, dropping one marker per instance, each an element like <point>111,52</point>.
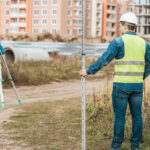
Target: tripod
<point>3,60</point>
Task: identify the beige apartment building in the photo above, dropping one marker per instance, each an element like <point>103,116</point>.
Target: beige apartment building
<point>63,17</point>
<point>112,11</point>
<point>30,16</point>
<point>143,14</point>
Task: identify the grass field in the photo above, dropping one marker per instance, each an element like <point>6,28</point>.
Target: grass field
<point>56,125</point>
<point>35,73</point>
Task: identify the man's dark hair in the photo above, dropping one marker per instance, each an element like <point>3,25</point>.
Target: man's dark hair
<point>130,27</point>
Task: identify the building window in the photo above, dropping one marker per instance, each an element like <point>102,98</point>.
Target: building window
<point>7,3</point>
<point>6,21</point>
<point>53,31</point>
<point>44,21</point>
<point>13,29</point>
<point>87,15</point>
<point>80,22</point>
<point>54,21</point>
<point>80,31</point>
<point>86,33</point>
<point>14,1</point>
<point>6,30</point>
<point>69,3</point>
<point>88,6</point>
<point>69,12</point>
<point>35,21</point>
<point>76,3</point>
<point>54,12</point>
<point>44,30</point>
<point>75,21</point>
<point>113,16</point>
<point>7,12</point>
<point>36,12</point>
<point>69,22</point>
<point>35,30</point>
<point>36,2</point>
<point>44,12</point>
<point>75,31</point>
<point>68,31</point>
<point>54,2</point>
<point>76,12</point>
<point>45,2</point>
<point>87,24</point>
<point>14,20</point>
<point>80,3</point>
<point>14,11</point>
<point>80,12</point>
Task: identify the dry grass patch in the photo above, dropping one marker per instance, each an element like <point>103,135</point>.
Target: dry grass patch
<point>56,125</point>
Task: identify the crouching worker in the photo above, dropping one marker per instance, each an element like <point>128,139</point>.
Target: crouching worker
<point>132,66</point>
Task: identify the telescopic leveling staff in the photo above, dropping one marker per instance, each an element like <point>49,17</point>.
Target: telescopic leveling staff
<point>2,53</point>
<point>83,80</point>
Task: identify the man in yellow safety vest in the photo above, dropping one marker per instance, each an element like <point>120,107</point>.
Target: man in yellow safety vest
<point>132,66</point>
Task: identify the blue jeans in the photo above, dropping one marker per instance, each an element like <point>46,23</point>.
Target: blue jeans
<point>121,96</point>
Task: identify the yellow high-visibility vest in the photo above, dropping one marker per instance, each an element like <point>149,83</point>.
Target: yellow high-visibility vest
<point>130,68</point>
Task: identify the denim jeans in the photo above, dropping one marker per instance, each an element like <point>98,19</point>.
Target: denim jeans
<point>121,96</point>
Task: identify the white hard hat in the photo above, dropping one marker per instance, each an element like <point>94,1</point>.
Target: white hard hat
<point>129,18</point>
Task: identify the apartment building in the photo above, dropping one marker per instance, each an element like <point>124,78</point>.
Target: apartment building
<point>72,17</point>
<point>96,18</point>
<point>112,11</point>
<point>143,14</point>
<point>13,16</point>
<point>63,17</point>
<point>109,18</point>
<point>30,16</point>
<point>4,17</point>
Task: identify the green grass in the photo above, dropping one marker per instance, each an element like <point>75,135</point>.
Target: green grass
<point>56,125</point>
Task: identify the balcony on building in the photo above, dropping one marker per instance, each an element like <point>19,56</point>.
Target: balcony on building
<point>14,1</point>
<point>98,33</point>
<point>99,6</point>
<point>17,24</point>
<point>17,15</point>
<point>18,4</point>
<point>98,23</point>
<point>142,4</point>
<point>111,11</point>
<point>22,2</point>
<point>98,28</point>
<point>98,15</point>
<point>111,20</point>
<point>22,30</point>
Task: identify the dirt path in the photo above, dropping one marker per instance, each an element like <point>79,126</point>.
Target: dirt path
<point>30,94</point>
<point>53,91</point>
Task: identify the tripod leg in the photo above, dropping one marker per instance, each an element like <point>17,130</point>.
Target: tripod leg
<point>1,89</point>
<point>10,78</point>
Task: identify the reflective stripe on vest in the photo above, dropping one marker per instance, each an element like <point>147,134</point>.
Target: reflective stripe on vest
<point>129,73</point>
<point>130,63</point>
<point>130,68</point>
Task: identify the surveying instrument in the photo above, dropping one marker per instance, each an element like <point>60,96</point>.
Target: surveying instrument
<point>3,60</point>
